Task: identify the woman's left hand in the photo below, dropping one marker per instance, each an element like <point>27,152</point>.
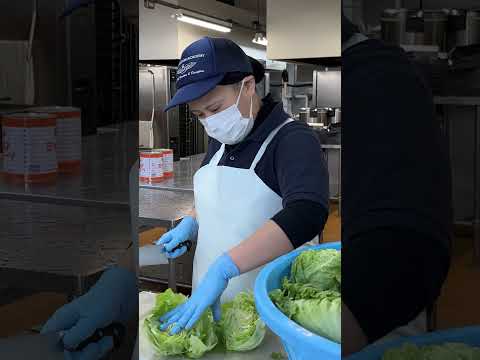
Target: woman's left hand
<point>207,294</point>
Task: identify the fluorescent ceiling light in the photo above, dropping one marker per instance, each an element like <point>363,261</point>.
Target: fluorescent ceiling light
<point>202,23</point>
<point>260,39</point>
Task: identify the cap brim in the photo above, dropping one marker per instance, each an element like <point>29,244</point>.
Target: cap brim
<point>193,91</point>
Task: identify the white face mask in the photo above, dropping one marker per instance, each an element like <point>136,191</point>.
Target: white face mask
<point>229,126</point>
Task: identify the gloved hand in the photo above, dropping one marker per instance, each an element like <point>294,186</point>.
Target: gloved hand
<point>207,294</point>
<point>187,229</point>
<point>113,298</point>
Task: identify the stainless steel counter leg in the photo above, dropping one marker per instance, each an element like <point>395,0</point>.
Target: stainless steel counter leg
<point>476,188</point>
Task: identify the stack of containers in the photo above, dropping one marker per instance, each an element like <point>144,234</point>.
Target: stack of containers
<point>38,143</point>
<point>156,165</point>
<point>29,147</point>
<point>69,136</point>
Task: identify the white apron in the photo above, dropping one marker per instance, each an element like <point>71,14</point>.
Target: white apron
<point>419,324</point>
<point>231,204</point>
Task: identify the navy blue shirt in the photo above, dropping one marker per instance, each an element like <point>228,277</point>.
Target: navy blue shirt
<point>396,208</point>
<point>293,166</point>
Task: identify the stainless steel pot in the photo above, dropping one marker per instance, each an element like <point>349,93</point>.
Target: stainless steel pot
<point>435,28</point>
<point>304,114</point>
<point>393,23</point>
<point>337,117</point>
<point>473,27</point>
<point>456,33</point>
<point>322,116</point>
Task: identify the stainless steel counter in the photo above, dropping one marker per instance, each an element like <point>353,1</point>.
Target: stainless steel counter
<point>103,181</point>
<point>78,225</point>
<point>332,146</point>
<point>457,100</point>
<point>163,207</point>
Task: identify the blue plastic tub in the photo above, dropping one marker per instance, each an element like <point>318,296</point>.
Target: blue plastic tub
<point>468,335</point>
<point>299,343</point>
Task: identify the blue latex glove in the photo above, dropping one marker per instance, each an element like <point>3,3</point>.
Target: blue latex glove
<point>207,294</point>
<point>186,230</point>
<point>113,298</point>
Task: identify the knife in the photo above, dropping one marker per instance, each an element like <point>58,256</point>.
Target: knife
<point>115,330</point>
<point>50,346</point>
<point>154,254</point>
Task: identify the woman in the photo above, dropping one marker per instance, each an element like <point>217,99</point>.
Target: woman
<point>262,189</point>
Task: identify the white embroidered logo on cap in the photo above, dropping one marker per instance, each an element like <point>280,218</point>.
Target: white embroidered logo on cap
<point>185,67</point>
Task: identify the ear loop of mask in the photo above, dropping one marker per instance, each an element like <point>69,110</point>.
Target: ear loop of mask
<point>251,99</point>
<point>251,107</point>
<point>240,93</point>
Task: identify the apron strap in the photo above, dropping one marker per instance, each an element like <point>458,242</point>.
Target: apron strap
<point>218,155</point>
<point>356,38</point>
<point>267,141</point>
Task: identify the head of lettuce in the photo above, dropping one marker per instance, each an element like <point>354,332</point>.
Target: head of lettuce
<point>311,297</point>
<point>240,326</point>
<point>192,343</point>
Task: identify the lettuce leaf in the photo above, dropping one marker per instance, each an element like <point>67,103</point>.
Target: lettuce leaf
<point>240,326</point>
<point>192,343</point>
<point>315,310</point>
<point>320,268</point>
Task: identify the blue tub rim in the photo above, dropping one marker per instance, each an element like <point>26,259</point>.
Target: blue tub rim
<point>278,320</point>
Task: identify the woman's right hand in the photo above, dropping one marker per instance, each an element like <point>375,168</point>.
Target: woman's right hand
<point>186,230</point>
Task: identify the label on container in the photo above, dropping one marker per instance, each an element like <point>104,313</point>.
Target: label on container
<point>29,150</point>
<point>69,139</point>
<point>151,166</point>
<point>168,161</point>
<point>69,132</point>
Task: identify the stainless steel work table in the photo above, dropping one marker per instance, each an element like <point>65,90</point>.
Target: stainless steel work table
<point>103,181</point>
<point>165,203</point>
<point>78,225</point>
<point>474,102</point>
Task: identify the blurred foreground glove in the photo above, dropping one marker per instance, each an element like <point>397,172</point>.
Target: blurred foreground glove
<point>114,298</point>
<point>186,230</point>
<point>207,294</point>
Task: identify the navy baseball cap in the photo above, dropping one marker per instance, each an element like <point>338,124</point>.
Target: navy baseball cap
<point>204,64</point>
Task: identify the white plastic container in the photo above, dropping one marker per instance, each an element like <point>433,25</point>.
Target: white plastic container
<point>29,147</point>
<point>151,166</point>
<point>69,136</point>
<point>167,162</point>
